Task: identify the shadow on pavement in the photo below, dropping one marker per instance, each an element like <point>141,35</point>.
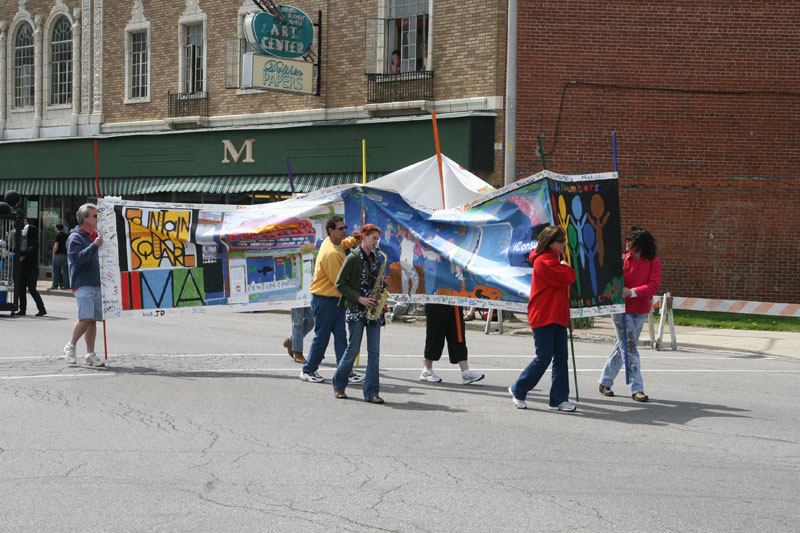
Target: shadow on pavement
<point>655,412</point>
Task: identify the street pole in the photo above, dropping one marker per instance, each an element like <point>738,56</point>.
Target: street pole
<point>509,160</point>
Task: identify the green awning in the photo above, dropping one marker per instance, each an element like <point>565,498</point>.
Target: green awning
<point>206,184</point>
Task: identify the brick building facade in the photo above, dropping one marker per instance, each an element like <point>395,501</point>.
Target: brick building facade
<point>705,100</point>
<point>119,60</point>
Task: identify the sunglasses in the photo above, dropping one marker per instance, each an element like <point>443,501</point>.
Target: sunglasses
<point>340,228</point>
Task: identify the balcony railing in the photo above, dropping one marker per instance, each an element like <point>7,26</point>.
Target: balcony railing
<point>402,87</point>
<point>187,104</point>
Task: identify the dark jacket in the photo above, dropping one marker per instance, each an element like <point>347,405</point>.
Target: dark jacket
<point>84,265</point>
<point>349,280</point>
<point>29,251</point>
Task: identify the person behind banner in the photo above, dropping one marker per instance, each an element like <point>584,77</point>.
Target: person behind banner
<point>60,263</point>
<point>328,317</point>
<point>444,322</point>
<point>302,324</point>
<point>641,272</point>
<point>84,278</point>
<point>361,273</point>
<point>548,315</point>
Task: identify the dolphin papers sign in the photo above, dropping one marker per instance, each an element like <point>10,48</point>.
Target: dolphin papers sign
<point>266,34</point>
<point>273,74</point>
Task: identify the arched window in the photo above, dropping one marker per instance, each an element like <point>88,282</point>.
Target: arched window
<point>23,67</point>
<point>61,62</point>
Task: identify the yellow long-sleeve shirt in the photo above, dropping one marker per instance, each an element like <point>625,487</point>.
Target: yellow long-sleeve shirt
<point>329,263</point>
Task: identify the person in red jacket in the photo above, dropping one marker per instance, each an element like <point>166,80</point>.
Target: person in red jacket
<point>641,272</point>
<point>548,315</point>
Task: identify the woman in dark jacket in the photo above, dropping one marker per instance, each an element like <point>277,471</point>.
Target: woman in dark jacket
<point>29,270</point>
<point>358,277</point>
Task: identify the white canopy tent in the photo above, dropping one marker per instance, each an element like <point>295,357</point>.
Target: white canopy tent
<point>420,183</point>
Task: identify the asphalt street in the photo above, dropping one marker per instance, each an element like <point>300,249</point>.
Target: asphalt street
<point>200,423</point>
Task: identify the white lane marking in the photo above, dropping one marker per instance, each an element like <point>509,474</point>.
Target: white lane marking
<point>94,374</point>
<point>109,372</point>
<point>331,356</point>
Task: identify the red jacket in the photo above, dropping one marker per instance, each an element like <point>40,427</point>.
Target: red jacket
<point>549,303</point>
<point>643,276</point>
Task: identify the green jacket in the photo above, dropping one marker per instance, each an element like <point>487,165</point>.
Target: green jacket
<point>348,282</point>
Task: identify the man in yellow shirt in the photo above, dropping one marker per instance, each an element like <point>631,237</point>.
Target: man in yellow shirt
<point>328,317</point>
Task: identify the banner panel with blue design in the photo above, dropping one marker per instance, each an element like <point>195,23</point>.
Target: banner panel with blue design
<point>160,259</point>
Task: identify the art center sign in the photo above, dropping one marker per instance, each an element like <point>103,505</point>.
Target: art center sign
<point>268,36</point>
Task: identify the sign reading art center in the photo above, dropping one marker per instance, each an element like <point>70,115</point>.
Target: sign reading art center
<point>267,35</point>
<point>273,74</point>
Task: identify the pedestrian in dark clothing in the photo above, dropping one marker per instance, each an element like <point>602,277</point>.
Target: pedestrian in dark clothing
<point>60,265</point>
<point>29,270</point>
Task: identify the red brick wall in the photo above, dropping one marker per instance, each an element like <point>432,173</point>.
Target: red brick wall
<point>705,100</point>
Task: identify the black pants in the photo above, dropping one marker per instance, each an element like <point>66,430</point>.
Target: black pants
<point>27,280</point>
<point>444,322</point>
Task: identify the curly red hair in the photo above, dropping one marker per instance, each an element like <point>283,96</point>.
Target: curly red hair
<point>366,229</point>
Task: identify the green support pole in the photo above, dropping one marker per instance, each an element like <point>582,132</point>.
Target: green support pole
<point>574,369</point>
<point>571,340</point>
<point>541,152</point>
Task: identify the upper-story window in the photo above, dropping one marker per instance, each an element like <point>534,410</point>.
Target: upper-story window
<point>193,72</point>
<point>408,35</point>
<point>23,67</point>
<point>137,56</point>
<point>61,62</point>
<point>397,42</point>
<point>139,81</point>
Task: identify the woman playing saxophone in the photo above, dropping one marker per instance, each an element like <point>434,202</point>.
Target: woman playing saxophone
<point>361,283</point>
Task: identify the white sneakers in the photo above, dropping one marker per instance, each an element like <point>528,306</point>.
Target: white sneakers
<point>312,377</point>
<point>69,354</point>
<point>355,378</point>
<point>467,376</point>
<point>563,406</point>
<point>91,359</point>
<point>429,375</point>
<point>470,376</point>
<point>519,403</point>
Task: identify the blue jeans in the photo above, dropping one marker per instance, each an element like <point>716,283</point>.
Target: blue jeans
<point>551,344</point>
<point>371,380</point>
<point>302,323</point>
<point>60,271</point>
<point>328,318</point>
<point>635,322</point>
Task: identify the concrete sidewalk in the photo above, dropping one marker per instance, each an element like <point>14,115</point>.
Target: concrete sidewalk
<point>750,342</point>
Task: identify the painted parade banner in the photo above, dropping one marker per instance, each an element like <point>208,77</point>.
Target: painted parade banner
<point>161,259</point>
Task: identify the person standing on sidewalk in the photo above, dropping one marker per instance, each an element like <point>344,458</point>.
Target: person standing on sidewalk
<point>641,272</point>
<point>548,315</point>
<point>444,322</point>
<point>60,264</point>
<point>84,278</point>
<point>328,317</point>
<point>29,270</point>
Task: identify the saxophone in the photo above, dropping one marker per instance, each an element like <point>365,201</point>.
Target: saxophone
<point>378,292</point>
